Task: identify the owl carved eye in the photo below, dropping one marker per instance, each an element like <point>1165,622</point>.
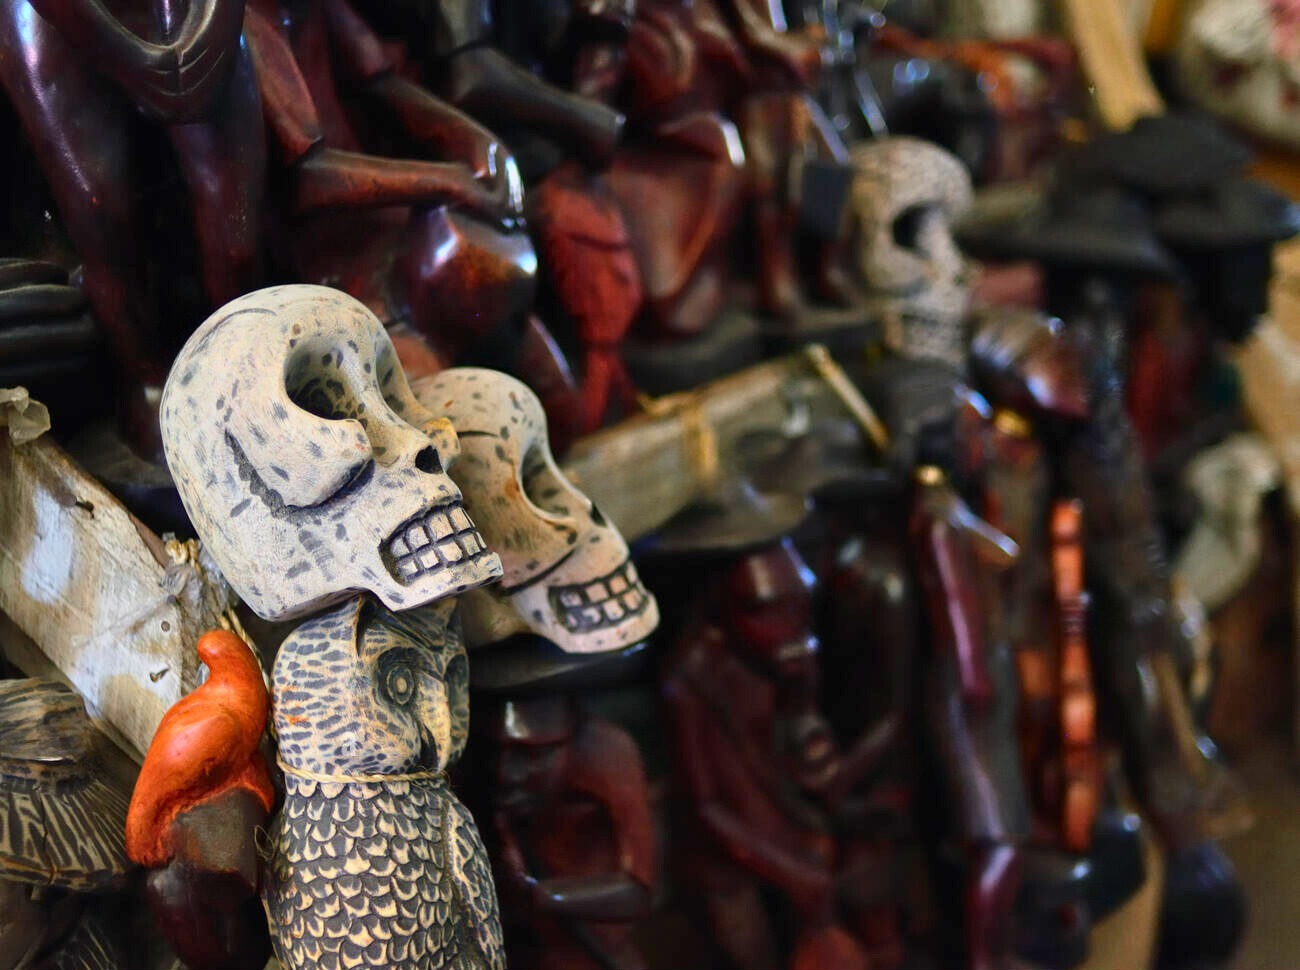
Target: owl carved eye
<point>398,683</point>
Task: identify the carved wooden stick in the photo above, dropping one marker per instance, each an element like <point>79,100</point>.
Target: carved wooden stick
<point>644,470</point>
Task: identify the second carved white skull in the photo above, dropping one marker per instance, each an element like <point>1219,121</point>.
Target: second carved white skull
<point>906,195</point>
<point>566,571</point>
<point>306,465</point>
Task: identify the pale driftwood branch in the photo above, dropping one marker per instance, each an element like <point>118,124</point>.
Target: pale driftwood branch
<point>648,468</point>
<point>97,592</point>
<point>114,615</point>
<point>1111,57</point>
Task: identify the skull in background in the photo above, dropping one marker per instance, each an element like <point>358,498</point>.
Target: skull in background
<point>906,195</point>
<point>306,465</point>
<point>567,575</point>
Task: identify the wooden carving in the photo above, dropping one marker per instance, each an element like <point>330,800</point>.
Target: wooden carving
<point>567,574</point>
<point>574,835</point>
<point>970,704</point>
<point>99,594</point>
<point>906,195</point>
<point>374,862</point>
<point>78,77</point>
<point>758,764</point>
<point>202,792</point>
<point>61,824</point>
<point>1080,766</point>
<point>307,466</point>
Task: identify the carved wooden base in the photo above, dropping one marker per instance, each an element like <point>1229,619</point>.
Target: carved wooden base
<point>844,331</point>
<point>731,342</point>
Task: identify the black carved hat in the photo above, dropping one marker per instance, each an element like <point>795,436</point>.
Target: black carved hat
<point>1160,155</point>
<point>529,666</point>
<point>1228,215</point>
<point>828,460</point>
<point>1102,228</point>
<point>734,518</point>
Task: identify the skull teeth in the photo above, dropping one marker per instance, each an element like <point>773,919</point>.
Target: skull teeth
<point>437,539</point>
<point>604,602</point>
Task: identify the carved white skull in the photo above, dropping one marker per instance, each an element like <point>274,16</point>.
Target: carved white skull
<point>306,465</point>
<point>567,575</point>
<point>906,194</point>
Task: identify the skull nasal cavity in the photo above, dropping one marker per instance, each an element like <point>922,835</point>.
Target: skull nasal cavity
<point>907,227</point>
<point>427,461</point>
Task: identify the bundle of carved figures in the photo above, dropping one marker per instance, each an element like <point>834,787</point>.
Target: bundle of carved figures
<point>644,484</point>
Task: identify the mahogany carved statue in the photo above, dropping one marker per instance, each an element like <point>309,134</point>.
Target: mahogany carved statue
<point>480,58</point>
<point>574,842</point>
<point>1066,381</point>
<point>870,667</point>
<point>757,767</point>
<point>83,78</point>
<point>534,74</point>
<point>428,241</point>
<point>733,102</point>
<point>970,704</point>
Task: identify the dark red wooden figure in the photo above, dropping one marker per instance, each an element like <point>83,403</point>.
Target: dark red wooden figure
<point>574,840</point>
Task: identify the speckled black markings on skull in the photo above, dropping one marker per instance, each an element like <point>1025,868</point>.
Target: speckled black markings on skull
<point>326,460</point>
<point>906,193</point>
<point>545,530</point>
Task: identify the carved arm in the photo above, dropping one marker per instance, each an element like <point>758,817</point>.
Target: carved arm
<point>808,884</point>
<point>329,178</point>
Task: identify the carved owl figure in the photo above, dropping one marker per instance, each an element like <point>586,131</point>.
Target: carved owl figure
<point>373,861</point>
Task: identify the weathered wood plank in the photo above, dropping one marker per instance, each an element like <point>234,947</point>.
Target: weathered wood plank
<point>644,470</point>
<point>96,591</point>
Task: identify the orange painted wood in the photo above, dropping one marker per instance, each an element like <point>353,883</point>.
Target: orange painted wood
<point>205,746</point>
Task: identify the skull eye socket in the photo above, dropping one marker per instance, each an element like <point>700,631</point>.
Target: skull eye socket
<point>907,228</point>
<point>314,383</point>
<point>543,486</point>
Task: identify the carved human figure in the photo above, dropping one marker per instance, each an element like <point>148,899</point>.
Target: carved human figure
<point>1066,383</point>
<point>733,108</point>
<point>373,859</point>
<point>481,57</point>
<point>433,244</point>
<point>970,705</point>
<point>757,763</point>
<point>61,824</point>
<point>79,75</point>
<point>573,837</point>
